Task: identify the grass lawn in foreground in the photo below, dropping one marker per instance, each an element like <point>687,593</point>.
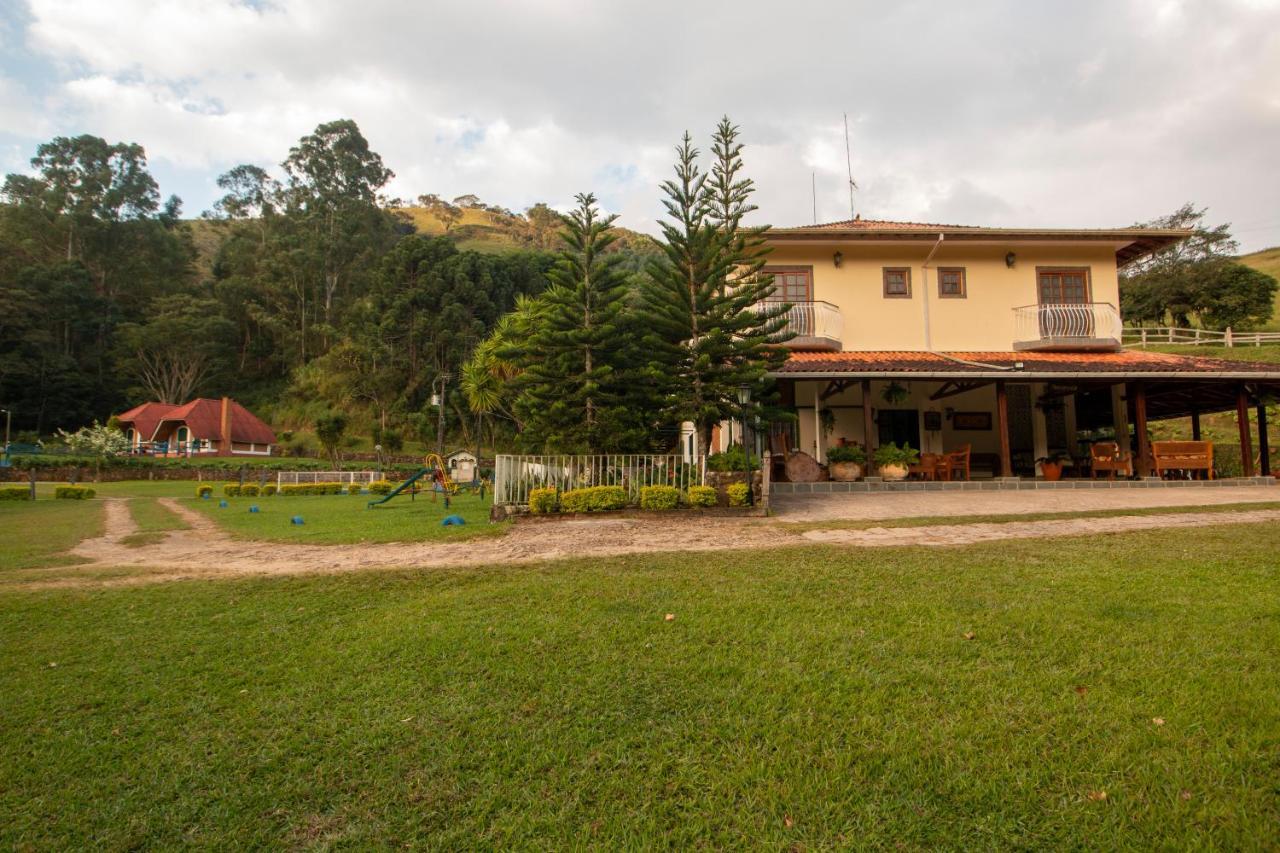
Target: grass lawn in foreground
<point>346,519</point>
<point>153,520</point>
<point>810,696</point>
<point>35,534</point>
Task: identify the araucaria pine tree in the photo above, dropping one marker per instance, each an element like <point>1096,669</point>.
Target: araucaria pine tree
<point>574,387</point>
<point>713,330</point>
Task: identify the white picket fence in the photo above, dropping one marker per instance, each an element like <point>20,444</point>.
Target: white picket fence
<point>1172,335</point>
<point>348,477</point>
<point>514,476</point>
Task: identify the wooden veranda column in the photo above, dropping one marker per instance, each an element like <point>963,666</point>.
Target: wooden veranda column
<point>1242,421</point>
<point>868,424</point>
<point>1195,424</point>
<point>1143,463</point>
<point>1002,424</point>
<point>1264,446</point>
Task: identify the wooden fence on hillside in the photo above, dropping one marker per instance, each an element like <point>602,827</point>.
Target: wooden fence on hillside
<point>1173,335</point>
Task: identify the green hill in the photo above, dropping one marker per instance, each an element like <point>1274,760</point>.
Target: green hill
<point>1267,261</point>
<point>478,230</point>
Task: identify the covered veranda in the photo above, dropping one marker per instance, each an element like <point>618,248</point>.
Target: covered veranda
<point>1011,411</point>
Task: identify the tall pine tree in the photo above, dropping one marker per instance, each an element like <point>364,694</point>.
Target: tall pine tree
<point>713,332</point>
<point>577,380</point>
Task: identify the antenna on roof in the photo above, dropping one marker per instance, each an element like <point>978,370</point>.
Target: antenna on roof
<point>813,176</point>
<point>848,161</point>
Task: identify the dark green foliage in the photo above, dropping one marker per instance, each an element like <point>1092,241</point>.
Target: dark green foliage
<point>733,459</point>
<point>737,494</point>
<point>329,429</point>
<point>15,493</point>
<point>204,489</point>
<point>848,453</point>
<point>705,296</point>
<point>579,387</point>
<point>1196,281</point>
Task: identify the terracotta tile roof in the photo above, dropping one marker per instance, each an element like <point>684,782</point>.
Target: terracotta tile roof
<point>204,418</point>
<point>145,417</point>
<point>1134,241</point>
<point>1127,362</point>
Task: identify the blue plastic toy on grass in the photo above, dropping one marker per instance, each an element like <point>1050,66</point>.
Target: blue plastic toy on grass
<point>253,508</point>
<point>452,520</point>
<point>297,519</point>
<point>222,504</point>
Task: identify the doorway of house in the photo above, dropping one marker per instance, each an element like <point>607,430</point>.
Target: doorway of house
<point>901,426</point>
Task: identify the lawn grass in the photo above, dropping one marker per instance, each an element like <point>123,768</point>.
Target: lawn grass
<point>153,521</point>
<point>345,519</point>
<point>37,533</point>
<point>813,696</point>
<point>1006,518</point>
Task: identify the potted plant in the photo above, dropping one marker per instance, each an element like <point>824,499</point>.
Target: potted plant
<point>893,394</point>
<point>845,463</point>
<point>1051,466</point>
<point>893,461</point>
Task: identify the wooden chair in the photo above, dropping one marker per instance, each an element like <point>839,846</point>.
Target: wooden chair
<point>930,466</point>
<point>1107,456</point>
<point>1182,456</point>
<point>955,464</point>
<point>778,456</point>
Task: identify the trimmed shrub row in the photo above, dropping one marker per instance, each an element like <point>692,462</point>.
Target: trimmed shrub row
<point>15,493</point>
<point>73,493</point>
<point>252,490</point>
<point>604,498</point>
<point>381,487</point>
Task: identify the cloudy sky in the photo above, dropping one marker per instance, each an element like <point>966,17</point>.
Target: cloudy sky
<point>1016,113</point>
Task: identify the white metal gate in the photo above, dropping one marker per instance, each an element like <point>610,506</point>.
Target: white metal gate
<point>515,476</point>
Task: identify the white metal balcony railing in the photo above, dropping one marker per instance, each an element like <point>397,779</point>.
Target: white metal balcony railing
<point>1078,325</point>
<point>812,325</point>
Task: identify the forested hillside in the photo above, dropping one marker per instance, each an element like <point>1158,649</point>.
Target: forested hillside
<point>305,292</point>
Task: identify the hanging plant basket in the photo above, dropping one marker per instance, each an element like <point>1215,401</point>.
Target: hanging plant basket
<point>894,393</point>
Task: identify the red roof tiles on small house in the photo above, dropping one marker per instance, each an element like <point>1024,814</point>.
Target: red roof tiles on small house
<point>145,418</point>
<point>204,418</point>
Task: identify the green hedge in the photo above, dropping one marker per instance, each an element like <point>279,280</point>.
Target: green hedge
<point>353,489</point>
<point>231,490</point>
<point>381,487</point>
<point>737,493</point>
<point>702,496</point>
<point>15,493</point>
<point>542,501</point>
<point>269,489</point>
<point>204,489</point>
<point>73,493</point>
<point>659,497</point>
<point>593,499</point>
<point>312,489</point>
<point>249,490</point>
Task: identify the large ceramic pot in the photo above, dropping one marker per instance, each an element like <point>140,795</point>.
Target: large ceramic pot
<point>893,472</point>
<point>845,472</point>
<point>1052,471</point>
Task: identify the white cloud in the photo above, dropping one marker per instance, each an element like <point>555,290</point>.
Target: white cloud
<point>1100,113</point>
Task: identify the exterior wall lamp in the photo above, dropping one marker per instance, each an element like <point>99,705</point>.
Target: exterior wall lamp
<point>837,259</point>
<point>1010,259</point>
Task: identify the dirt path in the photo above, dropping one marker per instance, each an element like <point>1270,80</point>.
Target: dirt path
<point>205,551</point>
<point>969,534</point>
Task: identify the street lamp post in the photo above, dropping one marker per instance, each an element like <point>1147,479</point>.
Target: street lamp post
<point>8,419</point>
<point>744,398</point>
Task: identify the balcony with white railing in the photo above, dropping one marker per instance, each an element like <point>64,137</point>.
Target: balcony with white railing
<point>1065,327</point>
<point>812,326</point>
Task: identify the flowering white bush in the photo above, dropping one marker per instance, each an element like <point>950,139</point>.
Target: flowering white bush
<point>96,440</point>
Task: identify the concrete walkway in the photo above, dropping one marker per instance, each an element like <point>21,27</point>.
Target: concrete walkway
<point>832,507</point>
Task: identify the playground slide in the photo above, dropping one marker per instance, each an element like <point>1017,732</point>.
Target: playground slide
<point>422,472</point>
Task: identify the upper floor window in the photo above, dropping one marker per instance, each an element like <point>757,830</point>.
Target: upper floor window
<point>1062,286</point>
<point>897,282</point>
<point>791,284</point>
<point>951,283</point>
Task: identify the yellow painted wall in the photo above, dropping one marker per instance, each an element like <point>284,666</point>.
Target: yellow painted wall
<point>983,320</point>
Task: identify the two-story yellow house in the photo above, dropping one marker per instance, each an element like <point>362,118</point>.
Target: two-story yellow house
<point>1005,340</point>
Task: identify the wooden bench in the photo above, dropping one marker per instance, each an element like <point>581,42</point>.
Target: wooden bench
<point>1106,457</point>
<point>1190,456</point>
